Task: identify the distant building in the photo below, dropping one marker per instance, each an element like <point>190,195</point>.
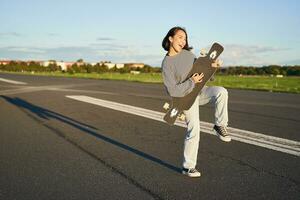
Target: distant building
<point>135,65</point>
<point>93,64</point>
<point>109,65</point>
<point>47,63</point>
<point>28,62</point>
<point>120,65</point>
<point>64,65</point>
<point>4,62</point>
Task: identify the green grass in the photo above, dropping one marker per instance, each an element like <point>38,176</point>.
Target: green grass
<point>265,83</point>
<point>143,77</point>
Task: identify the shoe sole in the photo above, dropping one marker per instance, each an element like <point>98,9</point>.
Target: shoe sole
<point>224,139</point>
<point>190,175</point>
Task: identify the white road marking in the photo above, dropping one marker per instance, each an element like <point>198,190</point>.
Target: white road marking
<point>12,81</point>
<point>63,88</point>
<point>249,137</point>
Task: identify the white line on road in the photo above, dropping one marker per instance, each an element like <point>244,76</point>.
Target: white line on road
<point>258,139</point>
<point>12,81</point>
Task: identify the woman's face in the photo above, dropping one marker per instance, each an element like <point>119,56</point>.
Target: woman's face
<point>178,41</point>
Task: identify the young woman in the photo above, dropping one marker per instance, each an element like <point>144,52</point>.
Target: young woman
<point>175,67</point>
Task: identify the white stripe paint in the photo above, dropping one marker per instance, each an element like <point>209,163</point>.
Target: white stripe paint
<point>12,81</point>
<point>249,137</point>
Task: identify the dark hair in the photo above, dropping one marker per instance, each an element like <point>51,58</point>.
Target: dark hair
<point>172,32</point>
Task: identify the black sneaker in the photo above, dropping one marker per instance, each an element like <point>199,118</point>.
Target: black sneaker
<point>191,172</point>
<point>222,133</point>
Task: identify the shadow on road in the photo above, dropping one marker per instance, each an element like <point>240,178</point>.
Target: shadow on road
<point>42,113</point>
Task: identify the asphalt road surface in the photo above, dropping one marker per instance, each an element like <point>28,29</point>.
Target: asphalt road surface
<point>64,138</point>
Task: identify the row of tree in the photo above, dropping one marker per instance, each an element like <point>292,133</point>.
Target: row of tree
<point>102,68</point>
<point>75,68</point>
<point>32,66</point>
<point>265,70</point>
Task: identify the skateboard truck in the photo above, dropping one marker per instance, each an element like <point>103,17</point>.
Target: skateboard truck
<point>181,116</point>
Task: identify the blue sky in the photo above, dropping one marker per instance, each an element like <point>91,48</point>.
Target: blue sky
<point>257,32</point>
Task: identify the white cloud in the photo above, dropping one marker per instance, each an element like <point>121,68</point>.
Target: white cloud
<point>10,34</point>
<point>235,54</point>
<point>93,53</point>
<point>26,50</point>
<point>105,39</point>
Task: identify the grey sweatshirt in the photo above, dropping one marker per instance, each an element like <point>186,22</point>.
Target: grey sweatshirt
<point>175,70</point>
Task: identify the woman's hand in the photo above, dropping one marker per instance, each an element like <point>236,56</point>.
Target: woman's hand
<point>217,63</point>
<point>197,78</point>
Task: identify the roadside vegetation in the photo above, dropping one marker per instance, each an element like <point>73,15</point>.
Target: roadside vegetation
<point>268,78</point>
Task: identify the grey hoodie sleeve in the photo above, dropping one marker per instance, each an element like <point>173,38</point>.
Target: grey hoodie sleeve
<point>176,89</point>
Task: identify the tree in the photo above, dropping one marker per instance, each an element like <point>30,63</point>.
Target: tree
<point>53,67</point>
<point>80,60</point>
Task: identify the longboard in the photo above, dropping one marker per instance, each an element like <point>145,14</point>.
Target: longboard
<point>201,65</point>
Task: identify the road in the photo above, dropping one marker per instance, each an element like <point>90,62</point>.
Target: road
<point>64,138</point>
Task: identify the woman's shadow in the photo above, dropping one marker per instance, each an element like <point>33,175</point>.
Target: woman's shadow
<point>45,114</point>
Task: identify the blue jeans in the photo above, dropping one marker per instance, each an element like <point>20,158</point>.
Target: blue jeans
<point>219,97</point>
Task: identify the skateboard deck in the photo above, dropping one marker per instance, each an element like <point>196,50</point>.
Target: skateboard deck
<point>201,65</point>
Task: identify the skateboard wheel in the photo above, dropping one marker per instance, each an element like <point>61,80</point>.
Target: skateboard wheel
<point>181,117</point>
<point>166,106</point>
<point>203,52</point>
